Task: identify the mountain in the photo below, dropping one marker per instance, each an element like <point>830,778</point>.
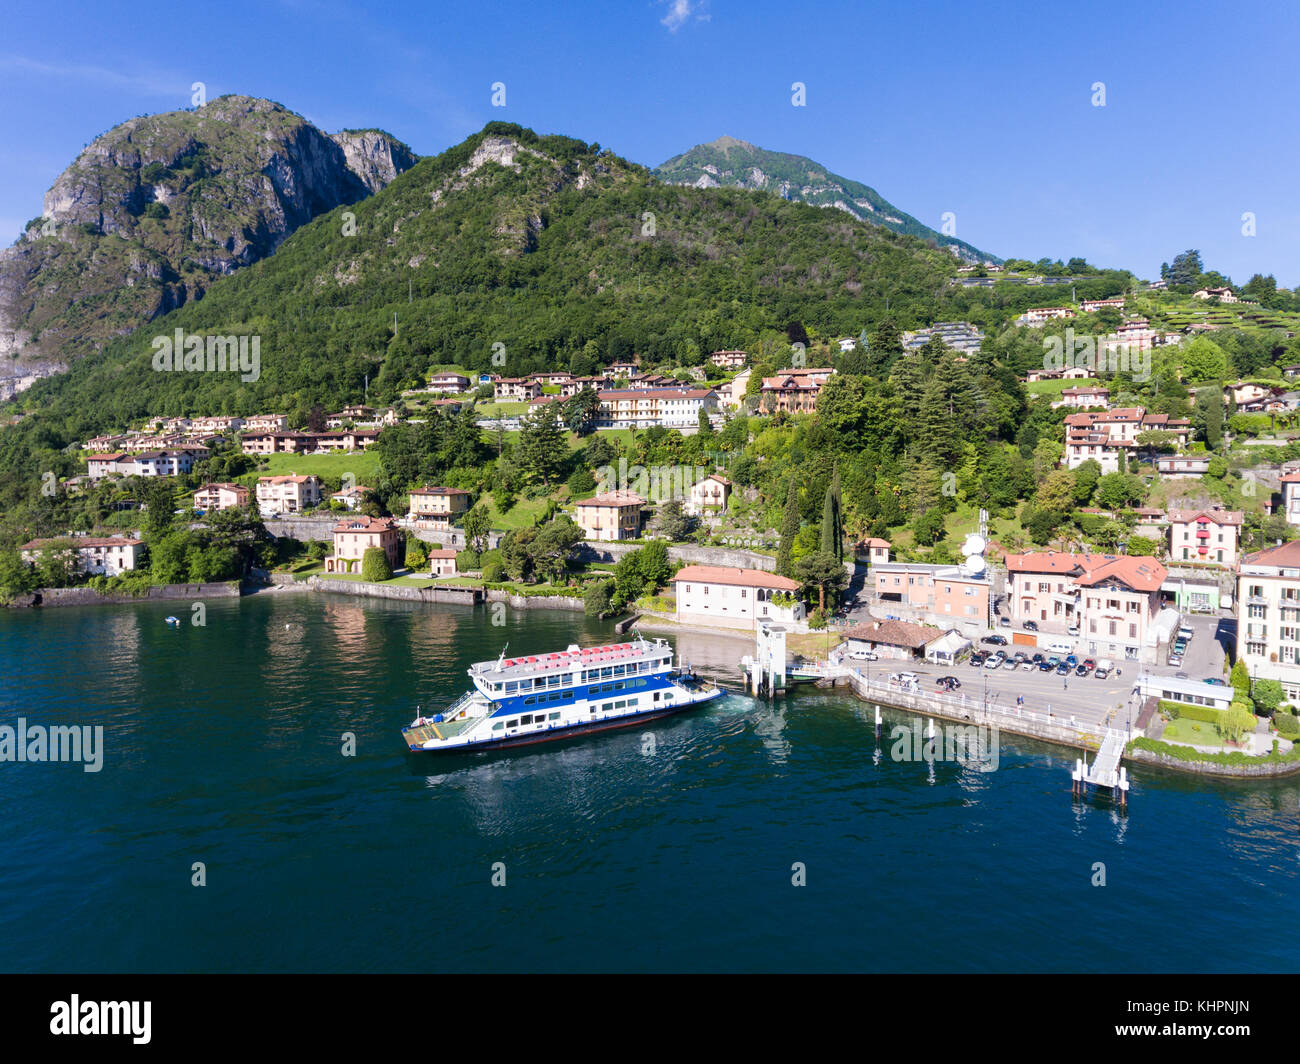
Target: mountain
<point>157,208</point>
<point>731,163</point>
<point>510,252</point>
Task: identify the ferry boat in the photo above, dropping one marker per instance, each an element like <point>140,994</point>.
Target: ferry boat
<point>578,691</point>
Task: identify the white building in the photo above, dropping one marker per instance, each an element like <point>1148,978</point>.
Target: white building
<point>1268,625</point>
<point>735,598</point>
<point>88,554</point>
<point>289,494</point>
<point>643,408</point>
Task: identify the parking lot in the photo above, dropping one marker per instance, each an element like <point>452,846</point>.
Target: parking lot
<point>1085,698</point>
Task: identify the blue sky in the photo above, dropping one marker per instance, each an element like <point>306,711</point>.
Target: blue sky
<point>982,109</point>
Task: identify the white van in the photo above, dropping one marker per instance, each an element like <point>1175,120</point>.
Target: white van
<point>1059,646</point>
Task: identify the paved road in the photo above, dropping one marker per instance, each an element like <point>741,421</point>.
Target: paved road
<point>1085,698</point>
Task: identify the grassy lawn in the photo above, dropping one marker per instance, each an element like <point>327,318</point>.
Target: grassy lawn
<point>1182,730</point>
<point>364,465</point>
<point>813,644</point>
<point>503,410</point>
<point>521,515</point>
<point>1054,388</point>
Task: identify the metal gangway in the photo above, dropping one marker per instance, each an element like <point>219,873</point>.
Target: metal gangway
<point>1105,770</point>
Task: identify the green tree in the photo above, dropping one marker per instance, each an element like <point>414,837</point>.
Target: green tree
<point>1207,415</point>
<point>1267,695</point>
<point>789,529</point>
<point>417,554</point>
<point>832,527</point>
<point>596,599</point>
<point>476,525</point>
<point>823,571</point>
<point>581,411</point>
<point>1237,721</point>
<point>375,566</point>
<point>1204,360</point>
<point>542,451</point>
<point>1142,547</point>
<point>16,576</point>
<point>1239,678</point>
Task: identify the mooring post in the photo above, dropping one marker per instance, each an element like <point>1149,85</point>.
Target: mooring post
<point>877,722</point>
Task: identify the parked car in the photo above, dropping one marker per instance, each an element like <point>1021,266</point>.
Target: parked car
<point>977,660</point>
<point>1072,630</point>
<point>863,655</point>
<point>1028,666</point>
<point>1175,660</point>
<point>1214,680</point>
<point>1031,626</point>
<point>1079,670</point>
<point>1101,672</point>
<point>1181,676</point>
<point>1045,666</point>
<point>1071,660</point>
<point>1185,633</point>
<point>995,640</point>
<point>1202,607</point>
<point>1063,669</point>
<point>1005,622</point>
<point>1038,659</point>
<point>993,663</point>
<point>1089,664</point>
<point>1010,663</point>
<point>948,683</point>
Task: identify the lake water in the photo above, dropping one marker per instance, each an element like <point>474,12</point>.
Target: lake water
<point>223,744</point>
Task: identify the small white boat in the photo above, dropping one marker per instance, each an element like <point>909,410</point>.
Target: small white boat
<point>175,622</point>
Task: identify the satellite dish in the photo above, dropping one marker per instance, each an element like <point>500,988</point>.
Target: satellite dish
<point>973,565</point>
<point>974,544</point>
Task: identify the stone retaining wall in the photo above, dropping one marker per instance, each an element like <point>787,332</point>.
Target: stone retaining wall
<point>461,596</point>
<point>88,596</point>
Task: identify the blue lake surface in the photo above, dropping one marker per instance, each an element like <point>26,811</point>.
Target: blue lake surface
<point>224,745</point>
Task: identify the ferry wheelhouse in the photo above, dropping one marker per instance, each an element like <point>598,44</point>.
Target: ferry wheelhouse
<point>526,700</point>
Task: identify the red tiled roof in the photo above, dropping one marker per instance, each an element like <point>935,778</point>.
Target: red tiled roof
<point>366,524</point>
<point>1284,556</point>
<point>893,633</point>
<point>715,574</point>
<point>1141,574</point>
<point>614,498</point>
<point>1219,517</point>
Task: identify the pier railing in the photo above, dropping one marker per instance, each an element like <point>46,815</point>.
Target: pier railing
<point>1045,725</point>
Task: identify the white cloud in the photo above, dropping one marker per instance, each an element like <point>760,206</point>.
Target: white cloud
<point>679,11</point>
<point>97,75</point>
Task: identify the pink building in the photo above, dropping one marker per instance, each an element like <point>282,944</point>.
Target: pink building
<point>1109,601</point>
<point>1209,536</point>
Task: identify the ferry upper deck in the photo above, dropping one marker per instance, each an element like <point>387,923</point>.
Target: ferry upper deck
<point>574,665</point>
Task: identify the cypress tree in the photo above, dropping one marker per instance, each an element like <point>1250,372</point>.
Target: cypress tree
<point>789,529</point>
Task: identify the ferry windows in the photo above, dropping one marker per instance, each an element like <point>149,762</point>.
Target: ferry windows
<point>607,707</point>
<point>498,725</point>
<point>529,701</point>
<point>606,672</point>
<point>527,718</point>
<point>511,687</point>
<point>621,704</point>
<point>632,702</point>
<point>554,716</point>
<point>656,696</point>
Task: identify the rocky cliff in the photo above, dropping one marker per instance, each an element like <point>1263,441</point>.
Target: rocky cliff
<point>155,209</point>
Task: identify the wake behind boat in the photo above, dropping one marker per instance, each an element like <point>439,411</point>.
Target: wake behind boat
<point>521,701</point>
